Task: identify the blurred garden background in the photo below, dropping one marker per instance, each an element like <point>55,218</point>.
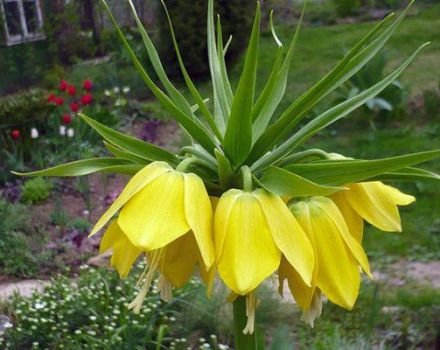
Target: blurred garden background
<point>61,57</point>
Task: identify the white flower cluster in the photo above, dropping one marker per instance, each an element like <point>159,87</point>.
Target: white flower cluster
<point>64,131</point>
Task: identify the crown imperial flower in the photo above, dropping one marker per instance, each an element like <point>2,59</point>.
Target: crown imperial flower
<point>273,207</point>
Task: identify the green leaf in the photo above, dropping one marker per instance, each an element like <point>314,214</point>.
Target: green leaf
<point>238,136</point>
<point>175,94</point>
<point>194,92</point>
<point>225,172</point>
<point>86,167</point>
<point>275,88</point>
<point>408,174</point>
<point>193,126</point>
<point>221,60</point>
<point>222,100</point>
<point>356,58</point>
<point>130,144</point>
<point>119,153</point>
<point>284,183</point>
<point>342,172</point>
<point>332,115</point>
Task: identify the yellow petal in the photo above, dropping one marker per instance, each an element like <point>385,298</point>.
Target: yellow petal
<point>287,234</point>
<point>302,293</point>
<point>136,183</point>
<point>338,273</point>
<point>222,212</point>
<point>354,221</point>
<point>124,255</point>
<point>110,237</point>
<point>198,213</point>
<point>249,252</point>
<point>377,204</point>
<point>155,216</point>
<point>397,196</point>
<point>332,211</point>
<point>179,260</point>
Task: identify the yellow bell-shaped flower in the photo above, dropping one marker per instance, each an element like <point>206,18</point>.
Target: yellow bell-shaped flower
<point>176,262</point>
<point>338,257</point>
<point>124,252</point>
<point>251,231</point>
<point>160,205</point>
<point>374,202</point>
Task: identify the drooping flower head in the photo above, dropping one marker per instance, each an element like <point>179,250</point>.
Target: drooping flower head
<point>160,206</point>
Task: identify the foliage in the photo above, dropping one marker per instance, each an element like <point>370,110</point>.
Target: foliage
<point>36,190</point>
<point>79,224</point>
<point>91,313</point>
<point>16,256</point>
<point>23,108</point>
<point>390,102</point>
<point>23,66</point>
<point>431,102</point>
<point>345,8</point>
<point>189,19</point>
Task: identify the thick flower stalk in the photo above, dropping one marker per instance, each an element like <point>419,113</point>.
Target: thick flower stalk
<point>244,199</point>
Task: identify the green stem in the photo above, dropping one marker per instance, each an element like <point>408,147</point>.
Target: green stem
<point>242,341</point>
<point>247,179</point>
<point>297,157</point>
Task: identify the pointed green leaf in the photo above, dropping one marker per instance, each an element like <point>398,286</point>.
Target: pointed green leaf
<point>222,101</point>
<point>275,88</point>
<point>284,183</point>
<point>84,167</point>
<point>408,174</point>
<point>193,126</point>
<point>221,60</point>
<point>130,144</point>
<point>194,92</point>
<point>225,172</point>
<point>330,116</point>
<point>238,136</point>
<point>119,153</point>
<point>342,172</point>
<point>175,94</point>
<point>356,58</point>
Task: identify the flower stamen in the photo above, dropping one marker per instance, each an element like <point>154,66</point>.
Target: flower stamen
<point>251,306</point>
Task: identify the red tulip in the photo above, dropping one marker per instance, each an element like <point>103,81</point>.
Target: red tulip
<point>87,84</point>
<point>67,119</point>
<point>63,85</point>
<point>74,107</point>
<point>15,134</point>
<point>71,90</point>
<point>51,98</point>
<point>87,99</point>
<point>59,101</point>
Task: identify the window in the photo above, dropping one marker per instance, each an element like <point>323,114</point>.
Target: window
<point>22,20</point>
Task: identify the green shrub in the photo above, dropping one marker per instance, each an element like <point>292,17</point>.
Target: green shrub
<point>23,107</point>
<point>79,224</point>
<point>16,257</point>
<point>36,190</point>
<point>189,19</point>
<point>91,313</point>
